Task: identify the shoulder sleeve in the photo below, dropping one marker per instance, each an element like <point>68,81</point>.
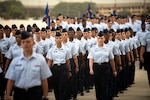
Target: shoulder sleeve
<point>68,55</point>
<point>111,56</point>
<point>49,54</point>
<point>10,74</point>
<point>45,70</point>
<point>90,55</point>
<point>9,53</point>
<point>143,42</point>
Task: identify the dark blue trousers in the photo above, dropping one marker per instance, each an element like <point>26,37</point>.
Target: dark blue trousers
<point>101,77</point>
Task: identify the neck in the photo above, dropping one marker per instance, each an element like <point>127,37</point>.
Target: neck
<point>71,39</point>
<point>19,44</point>
<point>64,41</point>
<point>59,45</point>
<point>100,45</point>
<point>38,39</point>
<point>28,54</point>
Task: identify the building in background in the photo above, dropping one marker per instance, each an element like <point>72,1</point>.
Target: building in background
<point>134,8</point>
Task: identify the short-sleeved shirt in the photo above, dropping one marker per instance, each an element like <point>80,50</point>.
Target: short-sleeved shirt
<point>114,47</point>
<point>127,47</point>
<point>57,55</point>
<point>100,55</point>
<point>4,46</point>
<point>78,46</point>
<point>71,49</point>
<point>146,42</point>
<point>84,45</point>
<point>27,73</point>
<point>11,40</point>
<point>140,34</point>
<point>13,52</point>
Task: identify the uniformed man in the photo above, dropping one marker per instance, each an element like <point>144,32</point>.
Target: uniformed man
<point>99,58</point>
<point>14,51</point>
<point>146,49</point>
<point>8,37</point>
<point>28,73</point>
<point>4,47</point>
<point>58,60</point>
<point>74,63</point>
<point>139,35</point>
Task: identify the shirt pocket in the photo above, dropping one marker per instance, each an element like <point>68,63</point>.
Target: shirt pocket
<point>18,71</point>
<point>35,71</point>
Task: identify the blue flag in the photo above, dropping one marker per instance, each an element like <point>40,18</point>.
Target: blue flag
<point>89,11</point>
<point>46,17</point>
<point>114,10</point>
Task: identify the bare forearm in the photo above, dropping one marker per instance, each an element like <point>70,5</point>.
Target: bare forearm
<point>68,65</point>
<point>45,88</point>
<point>113,65</point>
<point>91,64</point>
<point>10,84</point>
<point>142,51</point>
<point>76,61</point>
<point>128,56</point>
<point>7,64</point>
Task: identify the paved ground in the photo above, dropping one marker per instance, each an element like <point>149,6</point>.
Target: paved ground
<point>139,91</point>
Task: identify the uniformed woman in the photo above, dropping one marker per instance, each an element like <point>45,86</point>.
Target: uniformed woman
<point>58,60</point>
<point>100,59</point>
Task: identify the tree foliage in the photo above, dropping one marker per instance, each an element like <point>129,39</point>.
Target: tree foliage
<point>72,9</point>
<point>125,13</point>
<point>12,9</point>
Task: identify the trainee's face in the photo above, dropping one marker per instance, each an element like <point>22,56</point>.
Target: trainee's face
<point>86,34</point>
<point>18,38</point>
<point>22,29</point>
<point>7,32</point>
<point>64,35</point>
<point>101,39</point>
<point>43,34</point>
<point>71,34</point>
<point>38,34</point>
<point>58,39</point>
<point>27,44</point>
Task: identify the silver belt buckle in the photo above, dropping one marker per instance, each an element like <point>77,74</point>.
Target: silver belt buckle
<point>59,64</point>
<point>26,89</point>
<point>99,63</point>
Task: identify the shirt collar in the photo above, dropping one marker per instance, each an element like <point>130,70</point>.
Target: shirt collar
<point>32,56</point>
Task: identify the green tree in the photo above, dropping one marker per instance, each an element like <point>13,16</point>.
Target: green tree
<point>12,9</point>
<point>72,9</point>
<point>125,13</point>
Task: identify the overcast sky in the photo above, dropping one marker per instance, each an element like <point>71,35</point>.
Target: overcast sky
<point>54,2</point>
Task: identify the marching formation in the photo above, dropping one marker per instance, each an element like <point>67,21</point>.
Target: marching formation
<point>73,56</point>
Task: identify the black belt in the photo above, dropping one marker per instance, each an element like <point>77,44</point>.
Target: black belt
<point>101,63</point>
<point>60,64</point>
<point>35,88</point>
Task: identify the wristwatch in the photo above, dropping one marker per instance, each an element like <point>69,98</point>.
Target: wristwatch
<point>45,98</point>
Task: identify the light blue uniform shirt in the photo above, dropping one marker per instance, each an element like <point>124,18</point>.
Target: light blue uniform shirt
<point>114,48</point>
<point>100,55</point>
<point>71,49</point>
<point>58,56</point>
<point>13,52</point>
<point>84,45</point>
<point>139,35</point>
<point>28,73</point>
<point>78,46</point>
<point>4,46</point>
<point>146,41</point>
<point>127,47</point>
<point>11,40</point>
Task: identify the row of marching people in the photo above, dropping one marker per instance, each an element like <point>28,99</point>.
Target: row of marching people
<point>78,59</point>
